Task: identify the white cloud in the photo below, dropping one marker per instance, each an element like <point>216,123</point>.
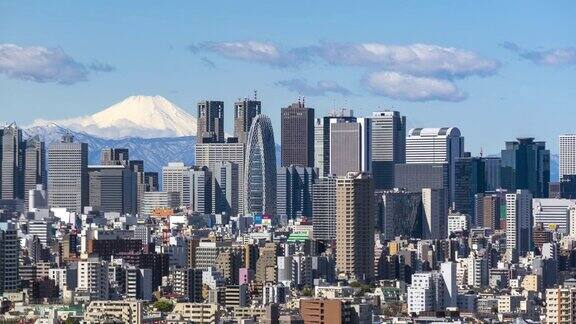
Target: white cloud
<point>253,51</point>
<point>415,59</point>
<point>551,57</point>
<point>407,87</point>
<point>321,88</point>
<point>41,64</point>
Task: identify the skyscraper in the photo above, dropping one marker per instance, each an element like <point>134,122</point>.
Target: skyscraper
<point>526,165</point>
<point>114,156</point>
<point>435,207</point>
<point>324,208</point>
<point>244,113</point>
<point>567,155</point>
<point>112,188</point>
<point>470,180</point>
<point>322,139</point>
<point>388,146</point>
<point>210,122</point>
<point>137,166</point>
<point>225,188</point>
<point>519,223</point>
<point>297,135</point>
<point>355,225</point>
<point>492,172</point>
<point>436,146</point>
<point>260,168</point>
<point>350,149</point>
<point>400,213</point>
<point>294,195</point>
<point>12,181</point>
<point>9,257</point>
<point>34,166</point>
<point>68,174</point>
<point>175,178</point>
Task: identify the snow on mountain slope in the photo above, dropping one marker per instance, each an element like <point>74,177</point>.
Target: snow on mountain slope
<point>135,116</point>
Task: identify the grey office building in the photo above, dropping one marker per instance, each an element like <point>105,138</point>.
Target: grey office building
<point>492,172</point>
<point>388,146</point>
<point>294,197</point>
<point>244,113</point>
<point>114,156</point>
<point>12,175</point>
<point>470,173</point>
<point>210,122</point>
<point>34,166</point>
<point>350,149</point>
<point>415,177</point>
<point>324,208</point>
<point>9,257</point>
<point>225,188</point>
<point>526,165</point>
<point>322,139</point>
<point>68,175</point>
<point>297,135</point>
<point>113,188</point>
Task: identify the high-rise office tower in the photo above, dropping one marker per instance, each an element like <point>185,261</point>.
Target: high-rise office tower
<point>415,177</point>
<point>112,188</point>
<point>350,148</point>
<point>9,257</point>
<point>470,180</point>
<point>151,181</point>
<point>244,113</point>
<point>355,225</point>
<point>213,154</point>
<point>492,172</point>
<point>68,174</point>
<point>175,178</point>
<point>260,168</point>
<point>399,213</point>
<point>526,165</point>
<point>567,155</point>
<point>322,138</point>
<point>568,186</point>
<point>297,135</point>
<point>435,207</point>
<point>388,146</point>
<point>114,156</point>
<point>34,166</point>
<point>324,208</point>
<point>225,187</point>
<point>137,167</point>
<point>519,223</point>
<point>201,190</point>
<point>552,212</point>
<point>294,195</point>
<point>210,122</point>
<point>436,146</point>
<point>12,177</point>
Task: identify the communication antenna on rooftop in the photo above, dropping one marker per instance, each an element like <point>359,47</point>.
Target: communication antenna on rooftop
<point>255,95</point>
<point>303,101</point>
<point>481,152</point>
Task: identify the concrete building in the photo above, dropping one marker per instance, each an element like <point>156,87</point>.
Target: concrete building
<point>176,178</point>
<point>355,225</point>
<point>567,155</point>
<point>436,146</point>
<point>201,313</point>
<point>68,175</point>
<point>187,283</point>
<point>113,188</point>
<point>388,146</point>
<point>552,213</point>
<point>324,311</point>
<point>157,200</point>
<point>561,305</point>
<point>210,122</point>
<point>225,188</point>
<point>12,168</point>
<point>350,148</point>
<point>297,135</point>
<point>519,223</point>
<point>139,284</point>
<point>322,138</point>
<point>34,167</point>
<point>114,156</point>
<point>9,257</point>
<point>107,311</point>
<point>93,278</point>
<point>324,208</point>
<point>245,111</point>
<point>435,207</point>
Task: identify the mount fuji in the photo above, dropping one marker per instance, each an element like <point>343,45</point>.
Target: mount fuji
<point>135,116</point>
<point>151,127</point>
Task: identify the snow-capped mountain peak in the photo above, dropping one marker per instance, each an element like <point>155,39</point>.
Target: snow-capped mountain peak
<point>135,116</point>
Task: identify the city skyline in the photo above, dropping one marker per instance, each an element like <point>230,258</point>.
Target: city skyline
<point>498,75</point>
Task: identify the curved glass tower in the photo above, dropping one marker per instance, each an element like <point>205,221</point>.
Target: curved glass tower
<point>260,168</point>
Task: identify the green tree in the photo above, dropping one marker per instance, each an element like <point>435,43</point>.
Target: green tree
<point>164,305</point>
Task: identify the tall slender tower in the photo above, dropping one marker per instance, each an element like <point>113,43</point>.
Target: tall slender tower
<point>244,112</point>
<point>355,225</point>
<point>68,175</point>
<point>210,122</point>
<point>322,138</point>
<point>12,163</point>
<point>567,163</point>
<point>350,148</point>
<point>297,136</point>
<point>260,168</point>
<point>388,146</point>
<point>519,223</point>
<point>35,166</point>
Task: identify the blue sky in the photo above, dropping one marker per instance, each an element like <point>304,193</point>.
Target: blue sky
<point>495,69</point>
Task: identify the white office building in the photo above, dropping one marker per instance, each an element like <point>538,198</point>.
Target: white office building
<point>567,154</point>
<point>552,213</point>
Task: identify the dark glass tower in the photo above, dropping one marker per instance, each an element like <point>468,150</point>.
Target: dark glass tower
<point>526,165</point>
<point>244,112</point>
<point>297,138</point>
<point>470,180</point>
<point>210,122</point>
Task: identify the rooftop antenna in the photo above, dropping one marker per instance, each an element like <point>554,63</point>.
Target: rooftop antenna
<point>481,151</point>
<point>255,95</point>
<point>303,101</point>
